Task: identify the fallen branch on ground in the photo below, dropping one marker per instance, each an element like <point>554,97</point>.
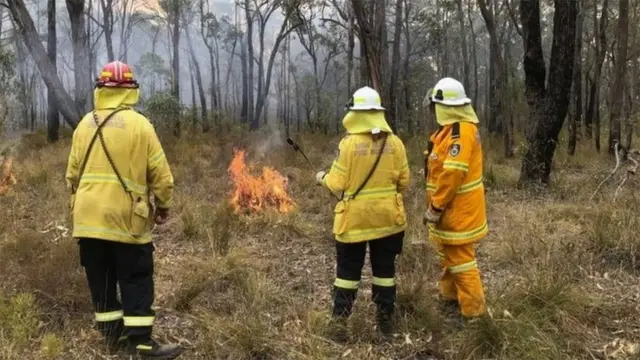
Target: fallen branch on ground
<point>631,170</point>
<point>615,169</point>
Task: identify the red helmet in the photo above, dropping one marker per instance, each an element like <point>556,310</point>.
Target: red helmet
<point>116,74</point>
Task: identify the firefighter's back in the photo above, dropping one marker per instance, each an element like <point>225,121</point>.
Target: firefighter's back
<point>103,209</point>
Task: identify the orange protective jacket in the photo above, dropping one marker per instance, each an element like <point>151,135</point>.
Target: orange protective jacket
<point>454,183</point>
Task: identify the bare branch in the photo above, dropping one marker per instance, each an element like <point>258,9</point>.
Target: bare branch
<point>615,169</point>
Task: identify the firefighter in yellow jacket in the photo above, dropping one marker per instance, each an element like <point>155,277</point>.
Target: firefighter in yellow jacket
<point>371,172</point>
<point>455,197</point>
<point>115,164</point>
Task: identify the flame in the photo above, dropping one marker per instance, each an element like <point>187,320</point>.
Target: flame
<point>6,176</point>
<point>252,193</point>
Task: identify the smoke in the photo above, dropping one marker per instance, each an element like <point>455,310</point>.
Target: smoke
<point>272,139</point>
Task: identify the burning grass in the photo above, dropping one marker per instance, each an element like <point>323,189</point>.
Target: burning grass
<point>560,272</point>
<point>255,193</point>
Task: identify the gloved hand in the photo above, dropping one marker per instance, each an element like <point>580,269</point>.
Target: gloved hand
<point>432,215</point>
<point>161,216</point>
<point>320,177</point>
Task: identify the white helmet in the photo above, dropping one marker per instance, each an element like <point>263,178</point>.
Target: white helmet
<point>449,91</point>
<point>365,98</point>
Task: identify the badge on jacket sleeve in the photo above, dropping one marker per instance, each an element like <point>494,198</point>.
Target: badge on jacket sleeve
<point>454,150</point>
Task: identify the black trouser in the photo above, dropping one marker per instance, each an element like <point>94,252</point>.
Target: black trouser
<point>109,264</point>
<point>350,257</point>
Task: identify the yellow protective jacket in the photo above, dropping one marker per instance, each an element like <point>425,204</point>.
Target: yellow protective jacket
<point>100,207</point>
<point>378,210</point>
<point>454,177</point>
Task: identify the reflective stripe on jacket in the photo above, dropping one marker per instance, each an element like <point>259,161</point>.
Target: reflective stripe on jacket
<point>378,210</point>
<point>101,208</point>
<point>454,184</point>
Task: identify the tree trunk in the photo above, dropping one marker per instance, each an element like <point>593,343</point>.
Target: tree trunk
<point>198,76</point>
<point>351,47</point>
<point>285,29</point>
<point>81,63</point>
<point>53,117</point>
<point>547,115</point>
<point>593,112</point>
<point>395,62</point>
<point>370,38</point>
<point>575,113</point>
<point>194,104</point>
<point>26,28</point>
<point>474,56</point>
<point>255,121</point>
<point>244,59</point>
<point>107,26</point>
<point>496,81</point>
<point>463,45</point>
<point>617,101</point>
<point>534,66</point>
<point>175,40</point>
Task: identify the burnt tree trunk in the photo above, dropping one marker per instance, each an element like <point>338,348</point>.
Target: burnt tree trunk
<point>53,117</point>
<point>617,100</point>
<point>547,113</point>
<point>575,113</point>
<point>244,113</point>
<point>249,111</point>
<point>534,66</point>
<point>593,114</point>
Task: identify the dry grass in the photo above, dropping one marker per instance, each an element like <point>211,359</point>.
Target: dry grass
<point>560,272</point>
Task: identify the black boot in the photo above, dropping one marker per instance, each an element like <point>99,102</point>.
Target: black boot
<point>343,300</point>
<point>385,298</point>
<point>150,349</point>
<point>384,319</point>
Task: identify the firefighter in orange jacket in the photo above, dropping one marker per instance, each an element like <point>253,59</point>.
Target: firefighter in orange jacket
<point>455,197</point>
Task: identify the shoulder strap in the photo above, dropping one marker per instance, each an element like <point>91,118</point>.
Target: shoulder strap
<point>93,140</point>
<point>455,131</point>
<point>375,165</point>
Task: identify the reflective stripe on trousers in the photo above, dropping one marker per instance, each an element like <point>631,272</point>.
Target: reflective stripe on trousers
<point>109,316</point>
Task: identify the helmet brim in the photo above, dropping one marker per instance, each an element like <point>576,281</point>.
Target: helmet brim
<point>366,107</point>
<point>459,102</point>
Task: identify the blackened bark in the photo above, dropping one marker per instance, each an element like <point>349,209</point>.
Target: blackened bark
<point>244,114</point>
<point>615,120</point>
<point>249,79</point>
<point>575,113</point>
<point>53,117</point>
<point>592,115</point>
<point>534,66</point>
<point>547,113</point>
